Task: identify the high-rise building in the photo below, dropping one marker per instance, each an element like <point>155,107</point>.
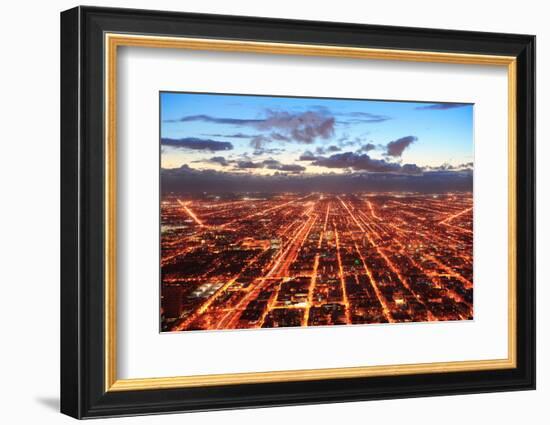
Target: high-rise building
<point>171,301</point>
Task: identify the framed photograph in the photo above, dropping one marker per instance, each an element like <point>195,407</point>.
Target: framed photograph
<point>261,212</point>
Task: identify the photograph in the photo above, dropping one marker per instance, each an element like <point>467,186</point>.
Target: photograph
<point>280,211</point>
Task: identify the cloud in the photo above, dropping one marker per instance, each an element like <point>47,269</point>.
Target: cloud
<point>257,142</point>
<point>354,117</point>
<point>363,162</point>
<point>219,160</point>
<point>194,143</point>
<point>292,168</point>
<point>307,156</point>
<point>346,140</point>
<point>279,137</point>
<point>442,106</point>
<point>271,164</point>
<point>320,150</point>
<point>411,169</point>
<point>448,167</point>
<point>264,150</point>
<point>396,147</point>
<point>189,180</point>
<point>366,117</point>
<point>249,164</point>
<point>351,118</point>
<point>304,127</point>
<point>356,162</point>
<point>233,136</point>
<point>216,120</point>
<point>367,147</point>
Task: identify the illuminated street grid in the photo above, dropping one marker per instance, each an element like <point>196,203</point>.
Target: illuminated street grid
<point>264,261</point>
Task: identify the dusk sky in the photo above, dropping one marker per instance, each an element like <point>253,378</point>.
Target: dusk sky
<point>231,132</point>
<point>307,137</point>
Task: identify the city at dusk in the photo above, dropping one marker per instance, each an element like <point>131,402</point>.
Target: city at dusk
<point>294,212</point>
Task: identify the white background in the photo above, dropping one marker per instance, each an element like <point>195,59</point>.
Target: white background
<point>142,350</point>
<point>29,170</point>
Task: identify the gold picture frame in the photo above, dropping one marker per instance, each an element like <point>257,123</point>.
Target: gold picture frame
<point>113,41</point>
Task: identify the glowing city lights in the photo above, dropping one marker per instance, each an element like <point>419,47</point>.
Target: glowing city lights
<point>279,260</point>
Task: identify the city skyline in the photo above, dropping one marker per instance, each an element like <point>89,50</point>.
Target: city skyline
<point>295,260</point>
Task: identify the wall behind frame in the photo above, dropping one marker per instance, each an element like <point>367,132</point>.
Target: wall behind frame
<point>29,217</point>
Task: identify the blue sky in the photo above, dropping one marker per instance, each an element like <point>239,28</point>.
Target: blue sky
<point>267,135</point>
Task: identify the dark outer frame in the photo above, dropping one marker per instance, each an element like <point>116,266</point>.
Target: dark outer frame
<point>82,212</point>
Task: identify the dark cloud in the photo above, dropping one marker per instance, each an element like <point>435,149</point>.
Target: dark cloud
<point>189,180</point>
<point>330,149</point>
<point>411,169</point>
<point>307,156</point>
<point>304,127</point>
<point>291,168</point>
<point>249,164</point>
<point>367,147</point>
<point>271,164</point>
<point>216,120</point>
<point>219,160</point>
<point>356,162</point>
<point>396,147</point>
<point>194,143</point>
<point>260,140</point>
<point>442,106</point>
<point>363,162</point>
